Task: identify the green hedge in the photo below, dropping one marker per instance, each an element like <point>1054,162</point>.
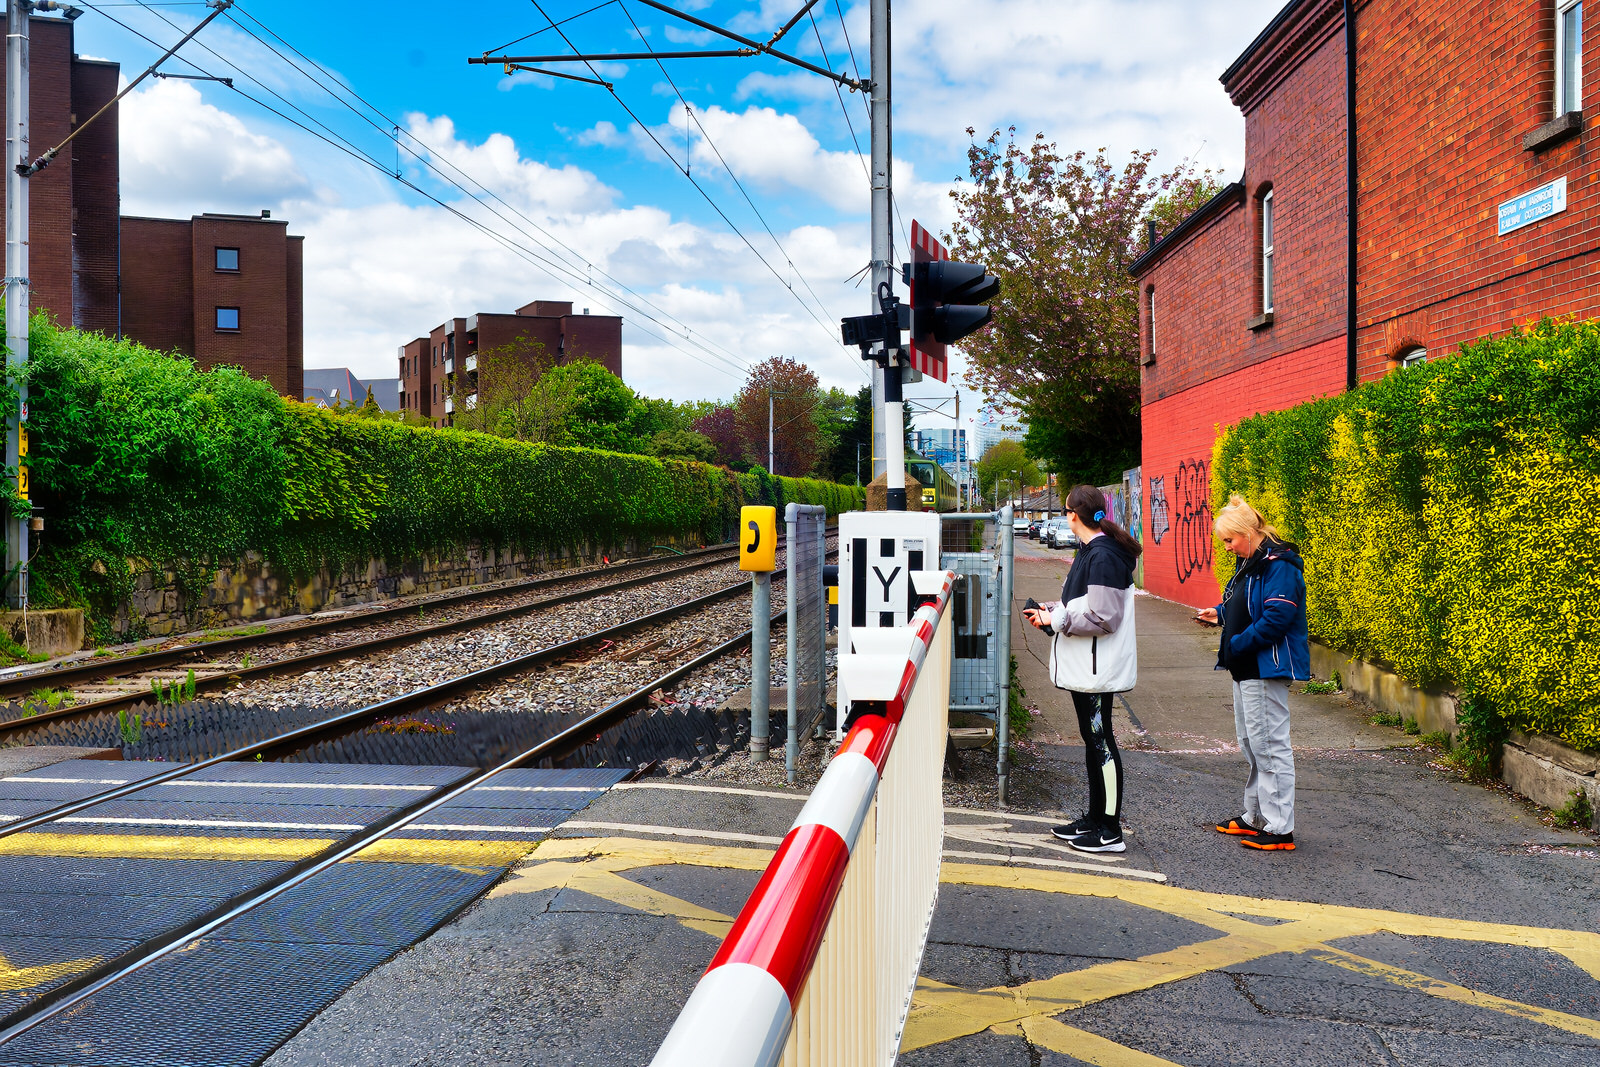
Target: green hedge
<point>141,456</point>
<point>1447,516</point>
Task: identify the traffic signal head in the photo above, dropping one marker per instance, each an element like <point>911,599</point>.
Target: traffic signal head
<point>947,300</point>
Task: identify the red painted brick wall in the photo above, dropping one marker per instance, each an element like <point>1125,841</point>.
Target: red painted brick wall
<point>1176,463</point>
<point>1446,93</point>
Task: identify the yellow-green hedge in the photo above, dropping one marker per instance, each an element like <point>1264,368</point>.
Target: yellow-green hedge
<point>1448,518</point>
<point>141,455</point>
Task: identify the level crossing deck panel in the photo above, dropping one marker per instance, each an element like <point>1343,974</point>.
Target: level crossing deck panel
<point>75,893</point>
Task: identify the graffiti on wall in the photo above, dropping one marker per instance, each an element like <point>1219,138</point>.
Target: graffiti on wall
<point>1135,488</point>
<point>1191,519</point>
<point>1159,523</point>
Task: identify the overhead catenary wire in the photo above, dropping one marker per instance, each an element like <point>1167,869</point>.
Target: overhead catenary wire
<point>826,328</point>
<point>432,155</point>
<point>553,267</point>
<point>706,136</point>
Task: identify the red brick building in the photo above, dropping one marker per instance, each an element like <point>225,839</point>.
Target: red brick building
<point>1245,305</point>
<point>434,368</point>
<point>72,203</point>
<point>163,282</point>
<point>225,289</point>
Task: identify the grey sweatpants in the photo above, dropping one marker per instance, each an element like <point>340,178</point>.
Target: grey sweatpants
<point>1261,719</point>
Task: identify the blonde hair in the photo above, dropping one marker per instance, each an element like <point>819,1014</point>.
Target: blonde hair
<point>1241,519</point>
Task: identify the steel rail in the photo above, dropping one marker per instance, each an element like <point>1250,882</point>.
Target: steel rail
<point>79,989</point>
<point>91,670</point>
<point>347,722</point>
<point>352,650</point>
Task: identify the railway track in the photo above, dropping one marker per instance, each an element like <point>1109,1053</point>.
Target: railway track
<point>126,683</point>
<point>78,989</point>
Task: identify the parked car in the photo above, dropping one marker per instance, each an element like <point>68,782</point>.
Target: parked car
<point>1033,529</point>
<point>1019,525</point>
<point>1058,534</point>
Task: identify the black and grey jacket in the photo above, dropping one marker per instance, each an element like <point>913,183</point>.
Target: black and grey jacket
<point>1095,649</point>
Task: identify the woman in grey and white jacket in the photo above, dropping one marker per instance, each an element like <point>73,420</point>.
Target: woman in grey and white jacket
<point>1094,656</point>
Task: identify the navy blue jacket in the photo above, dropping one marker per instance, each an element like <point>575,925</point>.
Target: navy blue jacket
<point>1274,588</point>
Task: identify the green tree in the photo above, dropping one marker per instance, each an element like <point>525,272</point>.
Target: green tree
<point>682,444</point>
<point>1007,462</point>
<point>1060,231</point>
<point>602,409</point>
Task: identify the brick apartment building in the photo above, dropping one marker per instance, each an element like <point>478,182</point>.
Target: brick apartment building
<point>434,368</point>
<point>73,203</point>
<point>1476,209</point>
<point>220,288</point>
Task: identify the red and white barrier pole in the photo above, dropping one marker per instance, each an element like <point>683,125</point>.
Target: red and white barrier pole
<point>742,1009</point>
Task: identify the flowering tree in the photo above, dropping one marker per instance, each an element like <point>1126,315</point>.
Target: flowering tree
<point>1060,232</point>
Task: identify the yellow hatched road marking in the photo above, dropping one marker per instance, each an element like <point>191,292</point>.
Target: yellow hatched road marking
<point>943,1013</point>
<point>1082,1045</point>
<point>1434,987</point>
<point>14,979</point>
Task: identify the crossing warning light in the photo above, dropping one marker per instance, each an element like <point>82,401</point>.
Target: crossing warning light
<point>946,301</point>
<point>758,538</point>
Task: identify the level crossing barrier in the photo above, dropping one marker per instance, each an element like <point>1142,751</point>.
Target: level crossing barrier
<point>821,963</point>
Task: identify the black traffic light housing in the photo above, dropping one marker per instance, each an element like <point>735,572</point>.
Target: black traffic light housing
<point>947,301</point>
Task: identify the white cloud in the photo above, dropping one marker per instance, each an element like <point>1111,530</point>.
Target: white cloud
<point>182,156</point>
<point>380,271</point>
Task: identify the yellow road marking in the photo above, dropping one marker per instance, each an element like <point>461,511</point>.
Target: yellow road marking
<point>1434,987</point>
<point>177,847</point>
<point>1082,1045</point>
<point>15,979</point>
<point>943,1012</point>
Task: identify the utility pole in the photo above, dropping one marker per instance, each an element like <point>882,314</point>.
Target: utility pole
<point>887,455</point>
<point>769,432</point>
<point>17,13</point>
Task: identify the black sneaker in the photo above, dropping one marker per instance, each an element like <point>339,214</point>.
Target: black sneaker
<point>1087,824</point>
<point>1266,842</point>
<point>1102,839</point>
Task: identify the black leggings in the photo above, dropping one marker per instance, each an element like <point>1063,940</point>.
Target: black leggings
<point>1100,756</point>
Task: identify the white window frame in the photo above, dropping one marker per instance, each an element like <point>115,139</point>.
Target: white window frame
<point>1414,356</point>
<point>1267,239</point>
<point>1562,103</point>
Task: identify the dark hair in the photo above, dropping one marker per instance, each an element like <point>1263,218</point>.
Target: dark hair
<point>1089,504</point>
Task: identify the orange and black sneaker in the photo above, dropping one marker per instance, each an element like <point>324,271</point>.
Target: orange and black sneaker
<point>1236,827</point>
<point>1269,842</point>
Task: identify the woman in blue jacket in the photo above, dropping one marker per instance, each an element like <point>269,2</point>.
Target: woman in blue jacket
<point>1264,647</point>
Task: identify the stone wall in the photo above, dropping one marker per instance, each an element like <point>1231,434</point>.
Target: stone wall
<point>1540,768</point>
<point>252,589</point>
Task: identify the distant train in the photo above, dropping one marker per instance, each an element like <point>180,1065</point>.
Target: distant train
<point>939,491</point>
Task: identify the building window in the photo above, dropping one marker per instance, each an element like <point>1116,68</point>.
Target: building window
<point>228,259</point>
<point>1150,318</point>
<point>1266,252</point>
<point>228,319</point>
<point>1569,56</point>
<point>1414,356</point>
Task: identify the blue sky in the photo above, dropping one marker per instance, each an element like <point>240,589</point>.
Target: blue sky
<point>580,184</point>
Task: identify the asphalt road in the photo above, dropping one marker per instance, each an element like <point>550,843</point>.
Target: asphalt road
<point>1423,920</point>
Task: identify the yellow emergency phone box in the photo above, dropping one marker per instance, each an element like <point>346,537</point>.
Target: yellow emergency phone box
<point>758,538</point>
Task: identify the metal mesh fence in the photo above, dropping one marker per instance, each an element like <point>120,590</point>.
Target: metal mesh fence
<point>971,547</point>
<point>807,627</point>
